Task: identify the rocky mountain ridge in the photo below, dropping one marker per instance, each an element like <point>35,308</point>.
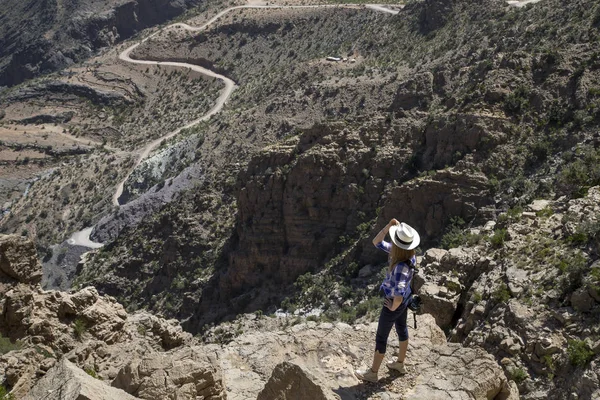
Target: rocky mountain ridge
<point>42,37</point>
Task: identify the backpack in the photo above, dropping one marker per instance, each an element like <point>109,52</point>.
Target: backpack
<point>414,301</point>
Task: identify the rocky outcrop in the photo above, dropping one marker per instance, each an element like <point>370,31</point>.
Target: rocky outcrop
<point>318,360</point>
<point>18,259</point>
<point>92,331</point>
<point>66,381</point>
<point>62,335</point>
<point>414,93</point>
<point>56,87</point>
<point>49,118</point>
<point>509,296</point>
<point>287,193</point>
<point>448,139</point>
<point>428,203</point>
<point>187,373</point>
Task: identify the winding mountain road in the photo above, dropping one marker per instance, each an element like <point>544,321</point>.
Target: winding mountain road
<point>229,84</point>
<point>82,238</point>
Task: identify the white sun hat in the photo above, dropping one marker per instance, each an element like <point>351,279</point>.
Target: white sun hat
<point>404,236</point>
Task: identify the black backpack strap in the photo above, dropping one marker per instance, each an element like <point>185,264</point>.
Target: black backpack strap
<point>412,288</point>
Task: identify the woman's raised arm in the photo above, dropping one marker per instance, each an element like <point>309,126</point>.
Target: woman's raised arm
<point>381,235</point>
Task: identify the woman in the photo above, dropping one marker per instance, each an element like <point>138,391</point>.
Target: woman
<point>396,287</point>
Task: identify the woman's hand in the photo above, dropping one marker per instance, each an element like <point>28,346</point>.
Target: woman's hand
<point>388,303</point>
<point>392,304</point>
<point>384,231</point>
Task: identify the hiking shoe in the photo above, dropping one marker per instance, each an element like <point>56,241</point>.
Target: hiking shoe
<point>397,366</point>
<point>366,375</point>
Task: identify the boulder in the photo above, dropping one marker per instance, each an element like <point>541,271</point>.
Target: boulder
<point>438,302</point>
<point>290,381</point>
<point>435,255</point>
<point>538,205</point>
<point>186,373</point>
<point>18,259</point>
<point>169,331</point>
<point>456,372</point>
<point>455,259</point>
<point>581,300</point>
<point>65,381</point>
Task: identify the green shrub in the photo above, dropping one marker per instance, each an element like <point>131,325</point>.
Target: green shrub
<point>579,352</point>
<point>348,315</point>
<point>501,294</point>
<point>372,304</point>
<point>585,233</point>
<point>45,353</point>
<point>580,173</point>
<point>544,213</point>
<point>578,238</point>
<point>548,361</point>
<point>498,238</point>
<point>518,375</point>
<point>288,305</point>
<point>515,213</point>
<point>453,237</point>
<point>574,266</point>
<point>517,101</point>
<point>4,395</point>
<point>6,345</point>
<point>351,270</point>
<point>595,277</point>
<point>91,372</point>
<point>79,328</point>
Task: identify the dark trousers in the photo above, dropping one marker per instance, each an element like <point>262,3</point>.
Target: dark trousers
<point>387,319</point>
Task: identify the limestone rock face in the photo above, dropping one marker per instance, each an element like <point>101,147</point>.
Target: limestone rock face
<point>426,204</point>
<point>18,259</point>
<point>169,331</point>
<point>65,381</point>
<point>290,381</point>
<point>448,140</point>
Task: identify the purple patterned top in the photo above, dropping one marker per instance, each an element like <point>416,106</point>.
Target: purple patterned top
<point>397,282</point>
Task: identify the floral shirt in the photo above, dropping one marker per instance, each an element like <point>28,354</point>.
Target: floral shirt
<point>397,282</point>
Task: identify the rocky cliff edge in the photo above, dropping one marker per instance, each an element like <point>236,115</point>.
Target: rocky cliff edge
<point>83,345</point>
